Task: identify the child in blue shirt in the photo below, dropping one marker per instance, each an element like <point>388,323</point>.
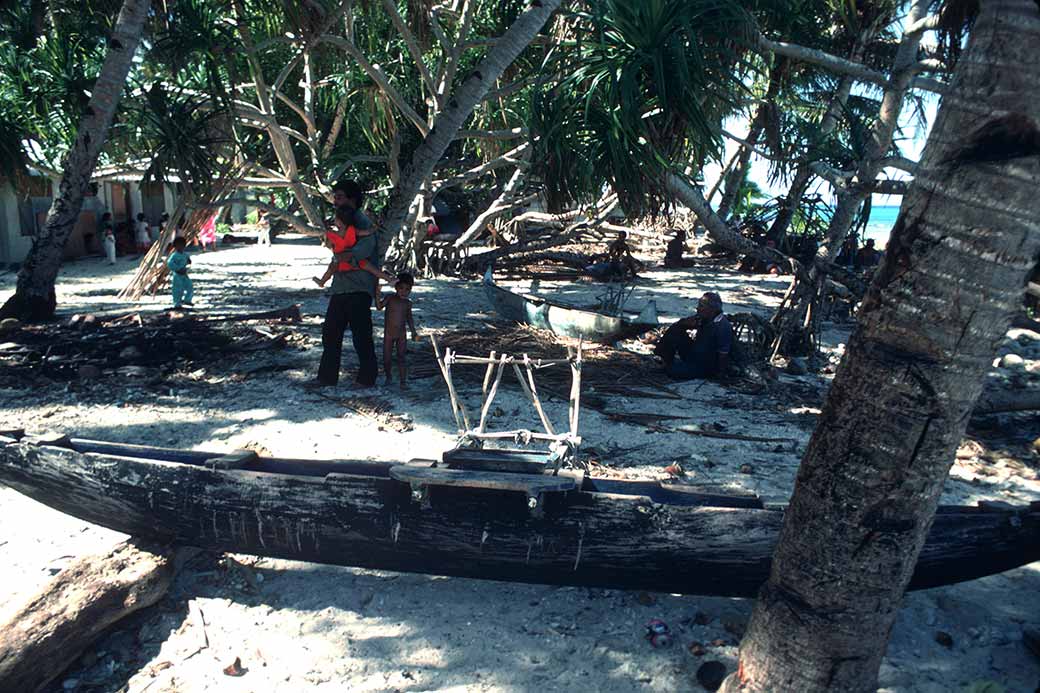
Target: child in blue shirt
<point>178,263</point>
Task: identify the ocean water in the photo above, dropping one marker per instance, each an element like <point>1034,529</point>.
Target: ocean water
<point>879,226</point>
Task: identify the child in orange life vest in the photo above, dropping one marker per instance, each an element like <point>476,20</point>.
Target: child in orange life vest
<point>343,239</point>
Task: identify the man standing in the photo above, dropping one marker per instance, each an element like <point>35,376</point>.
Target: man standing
<point>351,300</point>
<point>707,354</point>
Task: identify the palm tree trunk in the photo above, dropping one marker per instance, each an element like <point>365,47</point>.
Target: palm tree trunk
<point>953,276</point>
<point>34,298</point>
<point>459,108</point>
<point>737,174</point>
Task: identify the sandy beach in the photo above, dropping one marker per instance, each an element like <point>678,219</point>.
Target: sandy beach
<point>299,626</point>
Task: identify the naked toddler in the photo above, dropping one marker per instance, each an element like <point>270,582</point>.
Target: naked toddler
<point>397,315</point>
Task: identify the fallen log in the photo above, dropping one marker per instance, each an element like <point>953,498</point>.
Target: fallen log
<point>40,639</point>
<point>290,313</point>
<point>482,260</point>
<point>1006,401</point>
<point>577,261</point>
<point>1024,322</point>
<point>695,431</point>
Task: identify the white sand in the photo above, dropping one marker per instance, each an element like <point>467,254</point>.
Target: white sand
<point>332,628</point>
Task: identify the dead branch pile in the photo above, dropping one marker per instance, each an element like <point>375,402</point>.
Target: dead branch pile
<point>606,371</point>
<point>135,346</point>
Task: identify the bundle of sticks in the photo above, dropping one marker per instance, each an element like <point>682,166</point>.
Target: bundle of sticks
<point>193,210</point>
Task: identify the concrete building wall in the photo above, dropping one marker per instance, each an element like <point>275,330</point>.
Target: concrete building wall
<point>13,245</point>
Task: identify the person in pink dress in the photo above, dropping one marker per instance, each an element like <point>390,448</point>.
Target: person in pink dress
<point>208,233</point>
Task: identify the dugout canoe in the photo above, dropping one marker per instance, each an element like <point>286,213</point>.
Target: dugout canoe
<point>513,524</point>
<point>567,321</point>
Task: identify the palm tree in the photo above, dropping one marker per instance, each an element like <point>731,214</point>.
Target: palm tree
<point>868,487</point>
<point>34,297</point>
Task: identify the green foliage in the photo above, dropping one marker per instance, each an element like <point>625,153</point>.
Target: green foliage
<point>641,85</point>
<point>748,198</point>
<point>181,134</point>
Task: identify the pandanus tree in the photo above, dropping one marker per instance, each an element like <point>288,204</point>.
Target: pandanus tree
<point>34,297</point>
<point>954,272</point>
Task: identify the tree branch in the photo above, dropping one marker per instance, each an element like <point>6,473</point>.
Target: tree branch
<point>330,19</point>
<point>840,65</point>
<point>513,156</point>
<point>380,78</point>
<point>929,23</point>
<point>413,46</point>
<point>511,134</point>
<point>502,204</point>
<point>301,225</point>
<point>901,163</point>
<point>464,99</point>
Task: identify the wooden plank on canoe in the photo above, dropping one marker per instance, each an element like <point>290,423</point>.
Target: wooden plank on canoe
<point>236,459</point>
<point>52,438</point>
<point>531,484</point>
<point>526,461</point>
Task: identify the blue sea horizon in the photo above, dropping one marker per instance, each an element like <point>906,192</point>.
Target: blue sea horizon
<point>879,226</point>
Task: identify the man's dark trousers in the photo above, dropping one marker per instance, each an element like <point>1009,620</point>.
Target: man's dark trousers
<point>351,310</point>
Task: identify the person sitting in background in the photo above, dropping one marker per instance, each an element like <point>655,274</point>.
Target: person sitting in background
<point>847,256</point>
<point>868,256</point>
<point>619,255</point>
<point>673,254</point>
<point>707,354</point>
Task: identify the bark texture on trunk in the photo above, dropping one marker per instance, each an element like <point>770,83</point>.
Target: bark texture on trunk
<point>954,273</point>
<point>459,107</point>
<point>34,298</point>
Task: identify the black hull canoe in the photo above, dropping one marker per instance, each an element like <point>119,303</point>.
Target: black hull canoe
<point>604,533</point>
<point>567,321</point>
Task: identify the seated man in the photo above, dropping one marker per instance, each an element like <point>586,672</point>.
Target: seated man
<point>620,256</point>
<point>673,254</point>
<point>868,256</point>
<point>707,354</point>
